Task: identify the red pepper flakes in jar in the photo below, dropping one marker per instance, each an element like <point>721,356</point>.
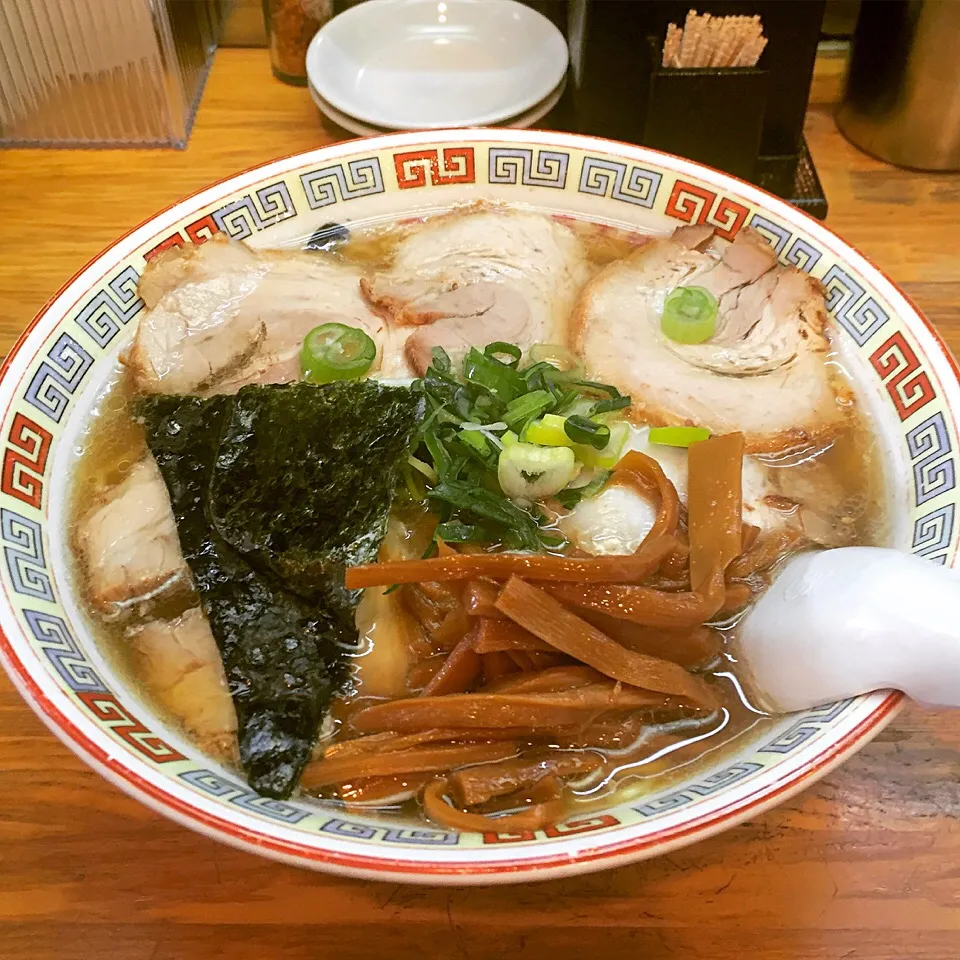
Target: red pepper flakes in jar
<point>291,25</point>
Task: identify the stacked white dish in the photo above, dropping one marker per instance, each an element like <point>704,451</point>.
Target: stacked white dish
<point>432,64</point>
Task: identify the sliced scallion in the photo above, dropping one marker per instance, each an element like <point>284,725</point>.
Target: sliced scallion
<point>689,315</point>
<point>581,430</point>
<point>499,348</point>
<point>609,406</point>
<point>334,351</point>
<point>678,436</point>
<point>525,408</point>
<point>548,431</point>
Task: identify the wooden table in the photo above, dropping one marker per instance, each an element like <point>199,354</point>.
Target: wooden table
<point>865,865</point>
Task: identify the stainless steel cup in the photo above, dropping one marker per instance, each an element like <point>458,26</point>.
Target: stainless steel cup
<point>902,97</point>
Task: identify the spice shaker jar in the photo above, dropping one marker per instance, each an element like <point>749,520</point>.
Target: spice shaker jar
<point>291,25</point>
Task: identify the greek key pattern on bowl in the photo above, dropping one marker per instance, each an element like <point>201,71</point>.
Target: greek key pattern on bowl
<point>907,384</point>
<point>239,219</point>
<point>25,460</point>
<point>933,532</point>
<point>695,204</point>
<point>240,795</point>
<point>58,377</point>
<point>507,165</point>
<point>352,830</point>
<point>118,719</point>
<point>809,725</point>
<point>934,472</point>
<point>23,552</point>
<point>112,307</point>
<point>341,182</point>
<point>63,652</point>
<point>718,781</point>
<point>800,252</point>
<point>435,167</point>
<point>851,306</point>
<point>609,178</point>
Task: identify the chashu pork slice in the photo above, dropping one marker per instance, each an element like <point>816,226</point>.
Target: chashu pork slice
<point>179,663</point>
<point>128,541</point>
<point>221,315</point>
<point>765,370</point>
<point>477,275</point>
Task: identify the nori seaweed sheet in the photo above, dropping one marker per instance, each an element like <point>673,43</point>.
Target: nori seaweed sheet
<point>273,491</point>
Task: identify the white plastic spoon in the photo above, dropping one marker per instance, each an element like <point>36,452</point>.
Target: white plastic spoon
<point>836,623</point>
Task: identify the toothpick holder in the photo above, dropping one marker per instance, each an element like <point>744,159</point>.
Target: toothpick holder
<point>713,115</point>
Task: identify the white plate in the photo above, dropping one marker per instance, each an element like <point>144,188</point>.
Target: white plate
<point>520,122</point>
<point>422,64</point>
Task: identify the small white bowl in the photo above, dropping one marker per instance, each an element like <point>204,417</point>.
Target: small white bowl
<point>521,121</point>
<point>424,64</point>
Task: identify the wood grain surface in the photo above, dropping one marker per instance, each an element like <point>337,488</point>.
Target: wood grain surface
<point>864,865</point>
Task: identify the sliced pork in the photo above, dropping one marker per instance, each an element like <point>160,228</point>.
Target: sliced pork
<point>178,661</point>
<point>128,541</point>
<point>221,315</point>
<point>481,274</point>
<point>763,372</point>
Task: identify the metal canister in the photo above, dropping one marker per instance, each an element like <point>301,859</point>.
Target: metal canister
<point>902,97</point>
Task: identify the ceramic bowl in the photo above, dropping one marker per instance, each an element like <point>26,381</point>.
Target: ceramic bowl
<point>420,64</point>
<point>904,376</point>
<point>520,121</point>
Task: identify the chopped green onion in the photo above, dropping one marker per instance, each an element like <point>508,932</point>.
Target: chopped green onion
<point>423,468</point>
<point>609,406</point>
<point>558,356</point>
<point>581,430</point>
<point>485,406</point>
<point>476,440</point>
<point>678,436</point>
<point>415,487</point>
<point>570,497</point>
<point>442,460</point>
<point>528,472</point>
<point>501,380</point>
<point>334,351</point>
<point>490,506</point>
<point>527,407</point>
<point>593,387</point>
<point>440,360</point>
<point>453,531</point>
<point>607,458</point>
<point>689,315</point>
<point>507,349</point>
<point>548,432</point>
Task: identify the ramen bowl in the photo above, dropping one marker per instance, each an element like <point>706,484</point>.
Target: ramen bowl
<point>904,376</point>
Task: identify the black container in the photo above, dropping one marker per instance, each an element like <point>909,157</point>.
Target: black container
<point>711,115</point>
<point>612,79</point>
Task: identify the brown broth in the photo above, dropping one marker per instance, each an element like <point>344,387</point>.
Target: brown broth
<point>113,443</point>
